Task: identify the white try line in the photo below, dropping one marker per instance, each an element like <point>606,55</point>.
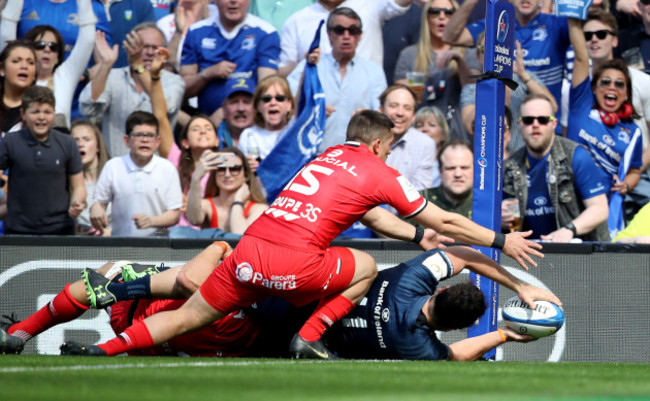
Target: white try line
<point>21,369</point>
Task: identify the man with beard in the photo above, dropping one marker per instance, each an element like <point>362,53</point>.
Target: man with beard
<point>560,190</point>
<point>454,194</point>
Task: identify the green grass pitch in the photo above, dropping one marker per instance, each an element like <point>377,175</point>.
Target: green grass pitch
<point>51,378</point>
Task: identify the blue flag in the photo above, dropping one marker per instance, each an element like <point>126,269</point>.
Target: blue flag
<point>300,143</point>
<point>616,218</point>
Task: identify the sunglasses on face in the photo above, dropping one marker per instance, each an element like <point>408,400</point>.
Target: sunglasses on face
<point>234,170</point>
<point>353,30</point>
<point>600,34</point>
<point>268,98</point>
<point>543,120</point>
<point>41,44</point>
<point>142,135</point>
<point>437,10</point>
<point>607,81</point>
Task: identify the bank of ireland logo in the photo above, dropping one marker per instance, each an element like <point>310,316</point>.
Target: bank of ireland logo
<point>482,161</point>
<point>502,26</point>
<point>244,272</point>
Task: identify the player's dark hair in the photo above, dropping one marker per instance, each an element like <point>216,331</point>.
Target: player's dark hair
<point>38,94</point>
<point>368,125</point>
<point>458,306</point>
<point>140,118</point>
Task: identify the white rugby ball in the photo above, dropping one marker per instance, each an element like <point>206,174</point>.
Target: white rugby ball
<point>546,319</point>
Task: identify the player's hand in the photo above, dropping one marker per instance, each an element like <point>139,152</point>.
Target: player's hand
<point>521,249</point>
<point>432,240</point>
<point>529,294</point>
<point>141,221</point>
<point>512,335</point>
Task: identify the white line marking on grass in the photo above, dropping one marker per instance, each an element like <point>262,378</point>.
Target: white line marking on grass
<point>18,369</point>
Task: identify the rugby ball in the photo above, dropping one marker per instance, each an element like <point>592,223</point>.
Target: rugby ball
<point>546,319</point>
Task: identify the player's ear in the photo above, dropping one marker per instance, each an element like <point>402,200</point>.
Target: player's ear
<point>375,146</point>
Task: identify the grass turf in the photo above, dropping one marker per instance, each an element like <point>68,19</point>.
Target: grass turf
<point>77,378</point>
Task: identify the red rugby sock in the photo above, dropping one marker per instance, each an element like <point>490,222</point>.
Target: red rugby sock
<point>328,311</point>
<point>134,337</point>
<point>63,308</point>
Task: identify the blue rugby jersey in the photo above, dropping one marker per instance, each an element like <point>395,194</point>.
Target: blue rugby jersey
<point>385,324</point>
<point>606,144</point>
<point>252,44</point>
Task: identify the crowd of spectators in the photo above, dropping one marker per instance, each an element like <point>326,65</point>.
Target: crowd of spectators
<point>166,91</point>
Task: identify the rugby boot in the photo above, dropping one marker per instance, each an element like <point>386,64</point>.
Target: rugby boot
<point>97,289</point>
<point>301,348</point>
<point>10,344</point>
<point>133,271</point>
<point>75,348</point>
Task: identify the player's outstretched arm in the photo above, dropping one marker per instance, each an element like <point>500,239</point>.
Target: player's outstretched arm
<point>468,258</point>
<point>466,231</point>
<point>470,349</point>
<point>386,223</point>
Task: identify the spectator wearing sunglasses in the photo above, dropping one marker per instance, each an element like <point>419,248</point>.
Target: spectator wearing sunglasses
<point>233,199</point>
<point>299,29</point>
<point>350,81</point>
<point>445,67</point>
<point>274,108</point>
<point>544,39</point>
<point>601,34</point>
<point>54,70</point>
<point>560,190</point>
<point>602,118</point>
<point>142,188</point>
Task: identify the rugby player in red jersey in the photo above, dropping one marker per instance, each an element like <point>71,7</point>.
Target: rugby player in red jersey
<point>286,251</point>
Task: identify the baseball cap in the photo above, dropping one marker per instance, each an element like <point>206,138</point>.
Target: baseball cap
<point>245,85</point>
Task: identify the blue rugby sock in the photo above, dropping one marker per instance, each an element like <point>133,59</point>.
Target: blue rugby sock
<point>140,288</point>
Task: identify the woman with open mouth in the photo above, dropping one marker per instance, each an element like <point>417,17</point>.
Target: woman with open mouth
<point>17,73</point>
<point>601,118</point>
<point>55,73</point>
<point>274,105</point>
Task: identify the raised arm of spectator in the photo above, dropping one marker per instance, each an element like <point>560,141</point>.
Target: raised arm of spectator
<point>195,81</point>
<point>197,209</point>
<point>107,57</point>
<point>581,61</point>
<point>456,32</point>
<point>10,18</point>
<point>531,83</point>
<point>238,222</point>
<point>158,102</point>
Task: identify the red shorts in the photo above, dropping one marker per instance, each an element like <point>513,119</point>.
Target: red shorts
<point>229,336</point>
<point>258,268</point>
